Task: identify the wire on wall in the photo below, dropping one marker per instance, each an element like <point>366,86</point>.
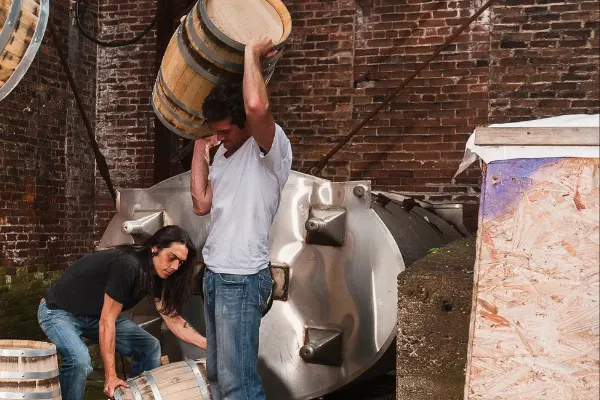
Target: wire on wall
<point>114,43</point>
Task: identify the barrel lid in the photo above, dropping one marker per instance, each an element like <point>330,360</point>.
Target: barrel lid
<point>236,22</point>
<point>26,348</point>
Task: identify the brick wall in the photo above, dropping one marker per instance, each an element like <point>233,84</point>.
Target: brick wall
<point>46,174</point>
<point>544,59</point>
<point>519,60</point>
<point>124,116</point>
<point>343,59</point>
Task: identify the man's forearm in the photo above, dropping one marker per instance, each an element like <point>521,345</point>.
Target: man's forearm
<point>201,195</point>
<point>107,347</point>
<point>186,332</point>
<point>256,98</point>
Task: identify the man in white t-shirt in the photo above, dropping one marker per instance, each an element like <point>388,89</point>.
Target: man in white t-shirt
<point>242,194</point>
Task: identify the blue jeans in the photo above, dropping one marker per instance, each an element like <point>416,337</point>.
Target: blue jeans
<point>233,307</point>
<point>66,330</point>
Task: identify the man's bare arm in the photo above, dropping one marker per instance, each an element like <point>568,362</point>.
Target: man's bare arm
<point>256,99</point>
<point>110,311</point>
<point>200,185</point>
<point>182,329</point>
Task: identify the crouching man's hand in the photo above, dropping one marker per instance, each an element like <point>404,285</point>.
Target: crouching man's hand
<point>111,384</point>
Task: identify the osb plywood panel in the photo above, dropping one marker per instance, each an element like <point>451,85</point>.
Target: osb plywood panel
<point>534,325</point>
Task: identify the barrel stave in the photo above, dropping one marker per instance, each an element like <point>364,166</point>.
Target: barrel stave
<point>28,369</point>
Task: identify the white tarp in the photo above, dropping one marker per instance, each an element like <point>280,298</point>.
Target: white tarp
<point>493,153</point>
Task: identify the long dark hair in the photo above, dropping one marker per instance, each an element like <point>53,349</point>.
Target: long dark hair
<point>177,288</point>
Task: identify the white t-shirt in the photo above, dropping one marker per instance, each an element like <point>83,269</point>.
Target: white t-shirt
<point>246,193</point>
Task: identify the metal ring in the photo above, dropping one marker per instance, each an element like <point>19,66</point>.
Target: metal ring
<point>30,53</point>
<point>224,38</point>
<point>202,385</point>
<point>137,395</point>
<point>9,24</point>
<point>174,99</point>
<point>33,395</point>
<point>29,375</point>
<point>191,62</point>
<point>27,352</point>
<point>216,31</point>
<point>239,68</point>
<point>176,116</point>
<point>153,385</point>
<point>169,125</point>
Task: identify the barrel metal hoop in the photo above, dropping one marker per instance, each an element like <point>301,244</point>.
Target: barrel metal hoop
<point>192,63</point>
<point>31,51</point>
<point>169,125</point>
<point>27,352</point>
<point>29,375</point>
<point>137,395</point>
<point>239,68</point>
<point>153,385</point>
<point>216,31</point>
<point>176,116</point>
<point>202,385</point>
<point>33,395</point>
<point>9,24</point>
<point>173,98</point>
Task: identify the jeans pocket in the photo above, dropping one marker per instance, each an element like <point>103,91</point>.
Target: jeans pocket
<point>231,286</point>
<point>265,289</point>
<point>232,279</point>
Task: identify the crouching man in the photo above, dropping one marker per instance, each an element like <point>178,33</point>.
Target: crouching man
<point>87,300</point>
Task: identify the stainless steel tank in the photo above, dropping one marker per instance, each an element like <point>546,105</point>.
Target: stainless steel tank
<point>336,250</point>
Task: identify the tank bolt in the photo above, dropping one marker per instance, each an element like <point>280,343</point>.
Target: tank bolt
<point>314,224</point>
<point>359,191</point>
<point>307,352</point>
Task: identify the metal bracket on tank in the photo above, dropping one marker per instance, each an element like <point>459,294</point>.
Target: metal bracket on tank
<point>145,226</point>
<point>322,346</point>
<point>281,281</point>
<point>326,225</point>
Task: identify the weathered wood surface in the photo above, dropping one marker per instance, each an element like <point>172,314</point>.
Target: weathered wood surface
<point>174,381</point>
<point>26,373</point>
<point>242,20</point>
<point>523,136</point>
<point>535,319</point>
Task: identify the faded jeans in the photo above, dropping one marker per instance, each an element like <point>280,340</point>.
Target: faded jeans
<point>66,331</point>
<point>233,307</point>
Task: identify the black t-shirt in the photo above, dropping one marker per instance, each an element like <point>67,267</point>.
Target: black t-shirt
<point>80,289</point>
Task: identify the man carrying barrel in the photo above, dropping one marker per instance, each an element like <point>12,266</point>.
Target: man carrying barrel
<point>242,193</point>
<point>89,296</point>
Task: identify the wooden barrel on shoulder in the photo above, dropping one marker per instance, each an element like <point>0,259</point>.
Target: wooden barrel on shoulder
<point>28,370</point>
<point>23,24</point>
<point>181,380</point>
<point>207,48</point>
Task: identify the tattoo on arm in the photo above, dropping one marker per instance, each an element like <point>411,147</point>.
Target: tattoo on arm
<point>186,325</point>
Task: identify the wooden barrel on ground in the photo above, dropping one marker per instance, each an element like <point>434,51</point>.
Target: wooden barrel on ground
<point>208,47</point>
<point>28,370</point>
<point>183,380</point>
<point>22,27</point>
